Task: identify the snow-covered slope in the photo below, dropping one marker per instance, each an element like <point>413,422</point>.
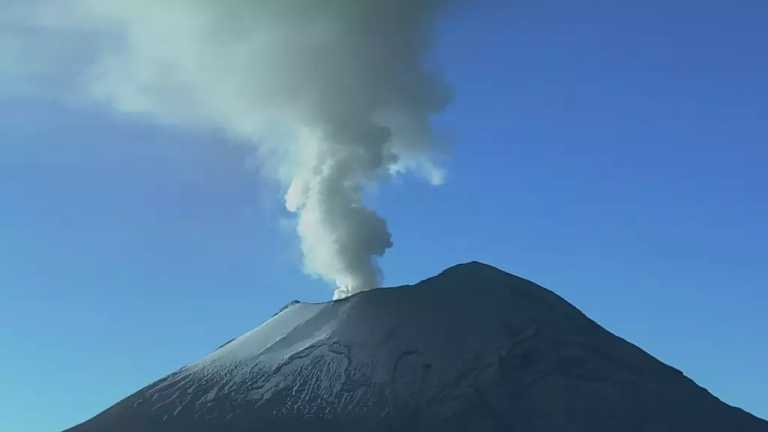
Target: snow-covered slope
<point>472,349</point>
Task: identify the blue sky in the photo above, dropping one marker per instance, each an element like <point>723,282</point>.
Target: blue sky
<point>613,154</point>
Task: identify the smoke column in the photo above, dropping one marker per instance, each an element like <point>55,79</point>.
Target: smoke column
<point>334,94</point>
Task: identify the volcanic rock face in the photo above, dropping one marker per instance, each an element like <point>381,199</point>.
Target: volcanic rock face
<point>472,349</point>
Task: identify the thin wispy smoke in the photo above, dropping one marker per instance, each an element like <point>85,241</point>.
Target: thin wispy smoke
<point>334,93</point>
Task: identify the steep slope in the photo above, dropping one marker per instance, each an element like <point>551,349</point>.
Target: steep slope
<point>472,349</point>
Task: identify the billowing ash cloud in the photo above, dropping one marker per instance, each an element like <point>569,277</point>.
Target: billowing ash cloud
<point>334,94</point>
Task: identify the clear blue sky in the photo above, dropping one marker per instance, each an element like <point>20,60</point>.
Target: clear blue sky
<point>615,154</point>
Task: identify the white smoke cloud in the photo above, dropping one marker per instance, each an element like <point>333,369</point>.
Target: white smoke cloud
<point>334,94</point>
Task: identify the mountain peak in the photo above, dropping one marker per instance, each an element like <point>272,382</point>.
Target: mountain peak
<point>470,268</point>
<point>470,275</point>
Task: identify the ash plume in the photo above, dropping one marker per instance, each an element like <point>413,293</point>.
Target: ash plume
<point>334,93</point>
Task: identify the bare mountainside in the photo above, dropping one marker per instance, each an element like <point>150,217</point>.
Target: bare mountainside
<point>472,349</point>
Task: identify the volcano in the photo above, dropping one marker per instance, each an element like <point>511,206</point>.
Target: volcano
<point>471,349</point>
